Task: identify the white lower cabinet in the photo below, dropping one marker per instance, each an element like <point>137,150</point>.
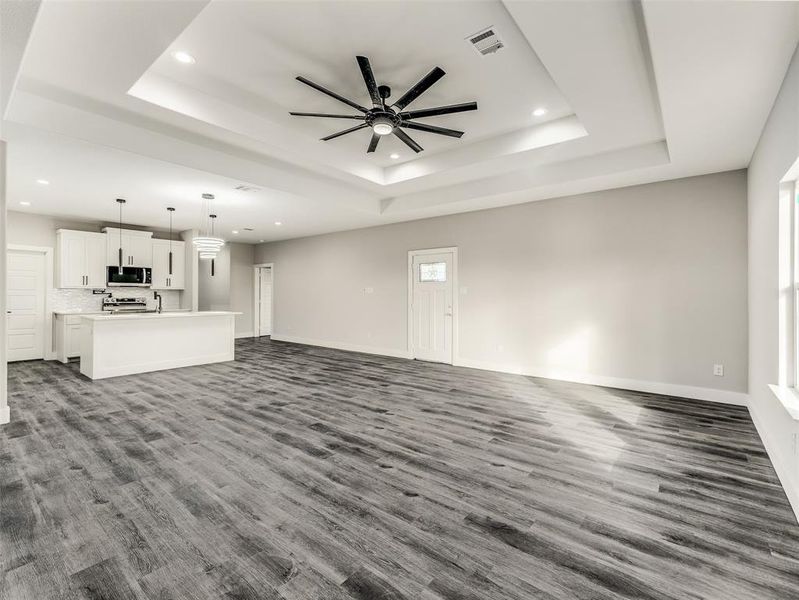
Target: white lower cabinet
<point>67,336</point>
<point>162,278</point>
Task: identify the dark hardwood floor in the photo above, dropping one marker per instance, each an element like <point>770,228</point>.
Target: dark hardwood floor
<point>306,473</point>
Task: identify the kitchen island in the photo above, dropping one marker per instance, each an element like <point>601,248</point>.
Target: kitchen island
<point>126,344</point>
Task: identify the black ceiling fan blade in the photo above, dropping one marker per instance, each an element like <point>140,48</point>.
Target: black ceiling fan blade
<point>432,129</point>
<point>345,132</point>
<point>420,88</point>
<point>316,86</point>
<point>369,80</point>
<point>439,110</point>
<point>302,114</point>
<point>373,142</point>
<point>407,139</point>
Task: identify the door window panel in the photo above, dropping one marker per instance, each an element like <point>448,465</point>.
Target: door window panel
<point>435,271</point>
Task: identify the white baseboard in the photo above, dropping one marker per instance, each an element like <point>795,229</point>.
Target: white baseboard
<point>5,415</point>
<point>789,482</point>
<point>652,387</point>
<point>636,385</point>
<point>248,334</point>
<point>342,346</point>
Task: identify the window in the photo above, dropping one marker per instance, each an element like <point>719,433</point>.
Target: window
<point>436,271</point>
<point>789,284</point>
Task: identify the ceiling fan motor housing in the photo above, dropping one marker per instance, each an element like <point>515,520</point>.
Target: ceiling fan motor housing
<point>377,118</point>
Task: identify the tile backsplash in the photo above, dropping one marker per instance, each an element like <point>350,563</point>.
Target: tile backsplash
<point>85,300</point>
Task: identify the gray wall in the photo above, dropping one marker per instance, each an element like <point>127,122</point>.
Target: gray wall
<point>214,291</point>
<point>231,288</point>
<point>241,286</point>
<point>645,283</point>
<point>777,150</point>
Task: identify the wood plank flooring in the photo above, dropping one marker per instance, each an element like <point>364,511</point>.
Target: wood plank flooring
<point>305,473</point>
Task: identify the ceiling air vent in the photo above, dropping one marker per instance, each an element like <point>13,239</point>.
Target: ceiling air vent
<point>243,187</point>
<point>486,41</point>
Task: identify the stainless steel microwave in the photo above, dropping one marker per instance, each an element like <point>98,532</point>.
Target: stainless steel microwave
<point>129,277</point>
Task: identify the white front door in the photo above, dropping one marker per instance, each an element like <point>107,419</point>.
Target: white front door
<point>432,307</point>
<point>265,301</point>
<point>25,305</point>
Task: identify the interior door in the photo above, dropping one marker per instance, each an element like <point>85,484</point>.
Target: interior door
<point>25,305</point>
<point>432,303</point>
<point>265,301</point>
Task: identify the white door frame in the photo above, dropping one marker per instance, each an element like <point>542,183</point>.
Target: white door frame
<point>49,352</point>
<point>256,291</point>
<point>455,293</point>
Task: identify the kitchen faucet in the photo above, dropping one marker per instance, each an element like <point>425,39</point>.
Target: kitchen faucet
<point>157,296</point>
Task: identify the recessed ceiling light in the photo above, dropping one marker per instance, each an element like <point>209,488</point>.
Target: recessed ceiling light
<point>183,57</point>
<point>395,156</point>
<point>235,231</point>
<point>260,241</point>
<point>42,182</point>
<point>539,112</point>
<point>25,203</point>
<point>278,223</point>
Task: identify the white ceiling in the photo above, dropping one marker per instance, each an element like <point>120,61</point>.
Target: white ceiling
<point>636,92</point>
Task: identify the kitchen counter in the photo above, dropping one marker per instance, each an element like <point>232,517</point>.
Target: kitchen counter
<point>120,316</point>
<point>128,343</point>
<point>105,312</point>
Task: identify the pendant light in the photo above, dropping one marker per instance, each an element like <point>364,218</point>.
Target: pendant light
<point>120,201</point>
<point>213,258</point>
<point>171,210</point>
<point>207,244</point>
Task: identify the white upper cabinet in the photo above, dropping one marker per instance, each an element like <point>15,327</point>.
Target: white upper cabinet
<point>162,278</point>
<point>137,249</point>
<point>80,259</point>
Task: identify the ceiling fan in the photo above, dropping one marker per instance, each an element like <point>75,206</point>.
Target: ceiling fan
<point>384,119</point>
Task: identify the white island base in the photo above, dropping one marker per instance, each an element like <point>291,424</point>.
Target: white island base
<point>113,345</point>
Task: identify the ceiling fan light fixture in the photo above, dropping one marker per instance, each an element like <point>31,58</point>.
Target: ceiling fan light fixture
<point>382,126</point>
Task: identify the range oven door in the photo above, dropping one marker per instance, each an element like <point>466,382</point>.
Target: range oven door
<point>129,277</point>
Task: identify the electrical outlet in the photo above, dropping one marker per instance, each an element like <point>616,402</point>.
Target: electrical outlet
<point>795,443</point>
<point>368,290</point>
<point>718,370</point>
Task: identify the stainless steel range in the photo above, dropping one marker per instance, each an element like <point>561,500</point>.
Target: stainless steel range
<point>119,305</point>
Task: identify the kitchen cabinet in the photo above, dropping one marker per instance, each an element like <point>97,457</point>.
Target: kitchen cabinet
<point>162,278</point>
<point>80,259</point>
<point>137,248</point>
<point>67,336</point>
